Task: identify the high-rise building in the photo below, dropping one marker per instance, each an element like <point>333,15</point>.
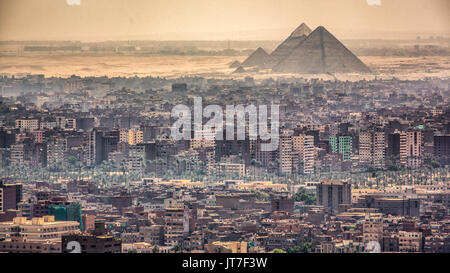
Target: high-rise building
<point>56,149</point>
<point>411,149</point>
<point>393,145</point>
<point>95,149</point>
<point>286,152</point>
<point>303,149</point>
<point>136,158</point>
<point>18,155</point>
<point>10,195</point>
<point>131,136</point>
<point>110,143</point>
<point>372,149</point>
<point>135,137</point>
<point>442,149</point>
<point>123,135</point>
<point>7,138</point>
<point>176,224</point>
<point>342,144</point>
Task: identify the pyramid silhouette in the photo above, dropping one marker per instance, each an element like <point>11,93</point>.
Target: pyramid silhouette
<point>240,69</point>
<point>235,64</point>
<point>302,30</point>
<point>319,53</point>
<point>288,45</point>
<point>259,58</point>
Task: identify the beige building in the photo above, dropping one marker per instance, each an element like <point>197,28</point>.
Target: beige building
<point>372,230</point>
<point>409,241</point>
<point>372,149</point>
<point>226,247</point>
<point>27,124</point>
<point>411,149</point>
<point>286,158</point>
<point>303,148</point>
<point>153,235</point>
<point>38,235</point>
<point>262,185</point>
<point>176,225</point>
<point>18,154</point>
<point>139,247</point>
<point>230,169</point>
<point>132,136</point>
<point>39,228</point>
<point>21,244</point>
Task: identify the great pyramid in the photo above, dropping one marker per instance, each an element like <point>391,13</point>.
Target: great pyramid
<point>286,47</point>
<point>259,58</point>
<point>320,53</point>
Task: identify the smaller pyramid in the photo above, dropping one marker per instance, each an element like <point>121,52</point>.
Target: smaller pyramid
<point>302,30</point>
<point>258,58</point>
<point>294,40</point>
<point>235,64</point>
<point>240,69</point>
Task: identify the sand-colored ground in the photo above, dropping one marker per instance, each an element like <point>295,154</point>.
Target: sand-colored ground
<point>176,66</point>
<point>409,67</point>
<point>127,66</point>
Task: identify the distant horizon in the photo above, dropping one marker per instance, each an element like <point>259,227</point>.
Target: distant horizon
<point>389,36</point>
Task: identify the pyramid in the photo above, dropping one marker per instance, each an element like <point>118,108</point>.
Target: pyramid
<point>258,58</point>
<point>240,69</point>
<point>320,53</point>
<point>286,47</point>
<point>302,30</point>
<point>235,64</point>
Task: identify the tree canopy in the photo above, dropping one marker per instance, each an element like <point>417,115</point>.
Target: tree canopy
<point>303,196</point>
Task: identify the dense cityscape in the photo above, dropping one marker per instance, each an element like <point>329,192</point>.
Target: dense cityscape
<point>357,162</point>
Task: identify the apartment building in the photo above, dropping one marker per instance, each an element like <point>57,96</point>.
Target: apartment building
<point>372,149</point>
<point>27,124</point>
<point>411,149</point>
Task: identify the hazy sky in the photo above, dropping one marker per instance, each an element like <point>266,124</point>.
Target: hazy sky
<point>217,19</point>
